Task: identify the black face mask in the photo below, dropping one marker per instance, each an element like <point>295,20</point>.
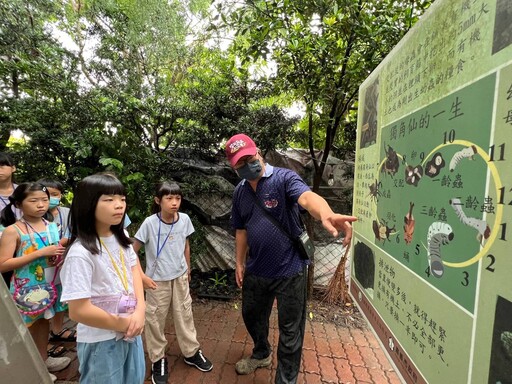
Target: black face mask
<point>250,171</point>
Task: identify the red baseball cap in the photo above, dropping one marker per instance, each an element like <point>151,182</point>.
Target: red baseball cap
<point>239,146</point>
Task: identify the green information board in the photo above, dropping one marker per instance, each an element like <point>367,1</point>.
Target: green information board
<point>432,258</point>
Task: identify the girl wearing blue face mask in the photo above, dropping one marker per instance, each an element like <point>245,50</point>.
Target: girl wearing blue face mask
<point>60,216</point>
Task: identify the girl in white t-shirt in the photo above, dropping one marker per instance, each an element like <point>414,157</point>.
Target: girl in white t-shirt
<point>102,285</point>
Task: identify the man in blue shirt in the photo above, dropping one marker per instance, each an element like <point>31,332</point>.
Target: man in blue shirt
<point>268,264</point>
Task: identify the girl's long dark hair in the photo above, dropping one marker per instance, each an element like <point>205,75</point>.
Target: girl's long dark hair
<point>82,218</point>
<point>162,189</point>
<point>6,159</point>
<point>7,217</point>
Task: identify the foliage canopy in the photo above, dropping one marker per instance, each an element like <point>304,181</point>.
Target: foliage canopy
<point>99,85</point>
<point>323,51</point>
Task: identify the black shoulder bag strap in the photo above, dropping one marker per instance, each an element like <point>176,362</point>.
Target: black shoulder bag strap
<point>274,221</point>
<point>302,243</point>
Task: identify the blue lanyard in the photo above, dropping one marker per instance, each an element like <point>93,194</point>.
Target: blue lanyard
<point>158,248</point>
<point>61,225</point>
<point>5,201</point>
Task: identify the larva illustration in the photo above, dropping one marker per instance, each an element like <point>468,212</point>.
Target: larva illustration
<point>462,154</point>
<point>439,233</point>
<point>480,225</point>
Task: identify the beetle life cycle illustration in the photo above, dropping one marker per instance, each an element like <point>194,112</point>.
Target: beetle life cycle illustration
<point>433,196</point>
<point>431,211</point>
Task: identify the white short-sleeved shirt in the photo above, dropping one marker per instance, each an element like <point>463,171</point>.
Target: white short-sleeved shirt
<point>85,275</point>
<point>171,262</point>
<point>4,202</point>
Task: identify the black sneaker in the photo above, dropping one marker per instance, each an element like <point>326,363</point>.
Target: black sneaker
<point>160,373</point>
<point>199,361</point>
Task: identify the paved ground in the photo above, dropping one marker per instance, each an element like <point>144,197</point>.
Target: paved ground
<point>332,354</point>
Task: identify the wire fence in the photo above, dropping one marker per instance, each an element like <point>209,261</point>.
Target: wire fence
<point>213,244</point>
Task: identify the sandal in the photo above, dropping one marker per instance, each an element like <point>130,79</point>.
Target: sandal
<point>60,336</point>
<point>56,350</point>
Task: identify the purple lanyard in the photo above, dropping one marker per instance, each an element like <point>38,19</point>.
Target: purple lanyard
<point>27,225</point>
<point>158,248</point>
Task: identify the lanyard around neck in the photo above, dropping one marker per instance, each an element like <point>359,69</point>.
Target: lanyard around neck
<point>4,200</point>
<point>123,277</point>
<point>61,224</point>
<point>158,248</point>
<point>27,225</point>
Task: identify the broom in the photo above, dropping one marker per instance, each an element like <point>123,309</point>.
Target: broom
<point>337,290</point>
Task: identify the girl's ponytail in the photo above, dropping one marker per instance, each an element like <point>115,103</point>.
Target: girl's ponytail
<point>7,217</point>
<point>155,208</point>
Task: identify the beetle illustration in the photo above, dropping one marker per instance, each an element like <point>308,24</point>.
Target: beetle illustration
<point>382,231</point>
<point>375,190</point>
<point>392,163</point>
<point>409,224</point>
